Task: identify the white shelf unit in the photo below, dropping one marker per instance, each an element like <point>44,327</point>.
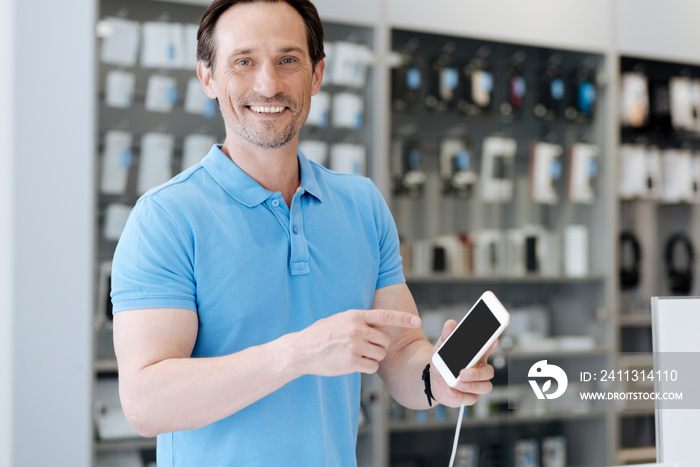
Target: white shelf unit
<point>378,21</point>
<point>138,120</point>
<point>672,42</point>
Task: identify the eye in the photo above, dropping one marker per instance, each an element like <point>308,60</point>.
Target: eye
<point>243,62</point>
<point>288,60</point>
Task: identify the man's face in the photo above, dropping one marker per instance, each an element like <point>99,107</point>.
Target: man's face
<point>262,76</point>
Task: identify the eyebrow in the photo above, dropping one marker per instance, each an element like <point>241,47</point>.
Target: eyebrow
<point>248,50</point>
<point>290,49</point>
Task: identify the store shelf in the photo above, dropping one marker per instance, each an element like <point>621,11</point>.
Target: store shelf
<point>105,366</point>
<point>652,213</point>
<point>635,360</point>
<point>121,444</point>
<point>548,353</point>
<point>529,417</point>
<point>635,319</point>
<point>504,279</point>
<point>444,272</point>
<point>635,411</point>
<point>629,456</point>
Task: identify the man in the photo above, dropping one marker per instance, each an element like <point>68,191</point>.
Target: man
<point>252,290</point>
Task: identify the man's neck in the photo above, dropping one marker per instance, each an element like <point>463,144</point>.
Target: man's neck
<point>274,169</point>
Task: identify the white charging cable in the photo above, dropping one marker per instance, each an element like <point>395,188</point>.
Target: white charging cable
<point>456,442</point>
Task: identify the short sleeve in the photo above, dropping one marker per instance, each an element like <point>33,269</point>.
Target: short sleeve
<point>390,268</point>
<point>153,264</point>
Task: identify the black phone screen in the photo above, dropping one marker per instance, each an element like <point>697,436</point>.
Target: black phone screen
<point>469,337</point>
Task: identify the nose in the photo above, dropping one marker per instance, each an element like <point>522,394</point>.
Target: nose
<point>268,81</point>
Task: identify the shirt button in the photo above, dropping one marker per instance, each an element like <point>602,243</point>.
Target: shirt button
<point>275,202</point>
<point>294,229</point>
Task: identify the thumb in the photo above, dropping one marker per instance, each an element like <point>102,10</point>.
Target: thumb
<point>447,329</point>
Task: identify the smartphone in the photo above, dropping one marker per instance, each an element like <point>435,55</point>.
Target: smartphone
<point>472,337</point>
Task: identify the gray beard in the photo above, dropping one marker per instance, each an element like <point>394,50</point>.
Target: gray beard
<point>280,140</point>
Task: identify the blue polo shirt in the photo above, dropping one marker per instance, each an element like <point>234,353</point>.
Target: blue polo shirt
<point>214,241</point>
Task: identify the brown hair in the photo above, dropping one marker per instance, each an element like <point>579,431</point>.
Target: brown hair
<point>205,35</point>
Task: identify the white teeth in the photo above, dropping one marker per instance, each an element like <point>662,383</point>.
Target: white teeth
<point>266,110</point>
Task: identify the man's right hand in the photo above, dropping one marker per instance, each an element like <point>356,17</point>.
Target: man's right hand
<point>348,342</point>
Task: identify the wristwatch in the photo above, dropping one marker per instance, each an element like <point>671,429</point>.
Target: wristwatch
<point>426,381</point>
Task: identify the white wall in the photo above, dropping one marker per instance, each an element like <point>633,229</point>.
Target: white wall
<point>360,12</point>
<point>46,188</point>
<point>6,230</point>
<point>569,24</point>
<point>665,30</point>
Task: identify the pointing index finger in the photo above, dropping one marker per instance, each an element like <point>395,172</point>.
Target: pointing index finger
<point>382,318</point>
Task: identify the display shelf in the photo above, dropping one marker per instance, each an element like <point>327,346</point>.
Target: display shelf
<point>664,206</point>
<point>499,420</point>
<point>105,366</point>
<point>597,352</point>
<point>634,319</point>
<point>641,360</point>
<point>121,444</point>
<point>636,409</point>
<point>435,221</point>
<point>626,412</point>
<point>630,456</point>
<point>502,279</point>
<point>181,112</point>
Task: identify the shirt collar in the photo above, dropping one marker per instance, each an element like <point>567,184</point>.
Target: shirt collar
<point>308,177</point>
<point>241,187</point>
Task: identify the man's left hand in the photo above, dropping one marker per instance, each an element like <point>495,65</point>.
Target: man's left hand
<point>472,381</point>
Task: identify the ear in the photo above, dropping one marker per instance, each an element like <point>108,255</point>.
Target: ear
<point>205,76</point>
<point>317,76</point>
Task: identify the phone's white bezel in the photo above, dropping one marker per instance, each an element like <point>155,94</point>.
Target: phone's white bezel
<point>503,318</point>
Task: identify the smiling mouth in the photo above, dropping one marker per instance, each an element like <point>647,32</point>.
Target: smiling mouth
<point>266,110</point>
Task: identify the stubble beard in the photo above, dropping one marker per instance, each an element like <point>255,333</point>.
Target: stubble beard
<point>269,138</point>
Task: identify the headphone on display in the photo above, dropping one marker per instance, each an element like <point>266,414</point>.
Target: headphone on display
<point>630,275</point>
<point>680,280</point>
